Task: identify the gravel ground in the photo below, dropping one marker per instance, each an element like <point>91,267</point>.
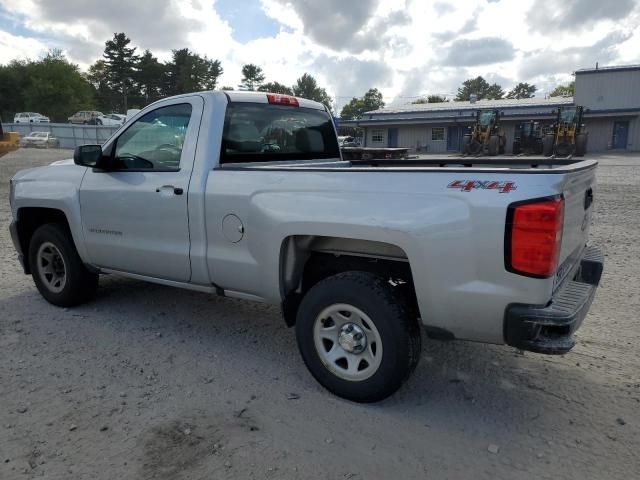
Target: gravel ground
<point>152,382</point>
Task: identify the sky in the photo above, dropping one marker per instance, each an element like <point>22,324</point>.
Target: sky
<point>405,48</point>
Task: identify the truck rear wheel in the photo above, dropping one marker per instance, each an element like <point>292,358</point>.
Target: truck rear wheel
<point>516,148</point>
<point>547,145</point>
<point>466,140</point>
<point>475,147</point>
<point>564,148</point>
<point>357,337</point>
<point>57,270</point>
<point>581,144</point>
<point>494,142</point>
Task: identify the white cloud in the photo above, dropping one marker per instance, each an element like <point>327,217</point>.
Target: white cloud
<point>406,48</point>
<point>14,47</point>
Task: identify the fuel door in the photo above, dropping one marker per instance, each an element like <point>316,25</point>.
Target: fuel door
<point>232,228</point>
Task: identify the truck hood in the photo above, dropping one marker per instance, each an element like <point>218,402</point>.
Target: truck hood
<point>68,161</point>
<point>57,171</point>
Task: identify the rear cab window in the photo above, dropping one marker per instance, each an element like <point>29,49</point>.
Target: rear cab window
<point>263,132</point>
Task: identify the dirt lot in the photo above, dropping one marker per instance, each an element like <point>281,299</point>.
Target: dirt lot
<point>153,382</point>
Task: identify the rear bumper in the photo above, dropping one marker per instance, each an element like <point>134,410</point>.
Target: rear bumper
<point>550,328</point>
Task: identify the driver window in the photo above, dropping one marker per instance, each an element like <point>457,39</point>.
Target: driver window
<point>154,141</point>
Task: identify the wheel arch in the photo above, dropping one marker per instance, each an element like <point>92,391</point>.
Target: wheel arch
<point>307,259</point>
<point>29,219</point>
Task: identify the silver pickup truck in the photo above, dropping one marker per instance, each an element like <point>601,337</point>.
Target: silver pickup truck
<point>246,195</point>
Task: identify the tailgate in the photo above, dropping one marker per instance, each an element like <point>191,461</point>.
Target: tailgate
<point>578,192</point>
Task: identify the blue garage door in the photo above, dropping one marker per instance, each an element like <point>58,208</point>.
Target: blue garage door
<point>392,138</point>
<point>454,138</point>
<point>620,134</point>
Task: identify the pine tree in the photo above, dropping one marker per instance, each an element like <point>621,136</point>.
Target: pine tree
<point>252,77</point>
<point>120,62</point>
<point>307,87</point>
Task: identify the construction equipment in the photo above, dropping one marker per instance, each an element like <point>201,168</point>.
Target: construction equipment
<point>9,141</point>
<point>528,138</point>
<point>568,135</point>
<point>486,135</point>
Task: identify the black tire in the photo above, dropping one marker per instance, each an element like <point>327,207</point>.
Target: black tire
<point>98,122</point>
<point>537,148</point>
<point>85,123</point>
<point>581,144</point>
<point>387,309</point>
<point>564,149</point>
<point>475,147</point>
<point>516,148</point>
<point>80,284</point>
<point>494,144</point>
<point>466,141</point>
<point>547,145</point>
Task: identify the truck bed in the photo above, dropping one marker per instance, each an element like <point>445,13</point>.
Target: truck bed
<point>529,164</point>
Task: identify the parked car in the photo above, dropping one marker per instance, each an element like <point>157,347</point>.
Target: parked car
<point>30,117</point>
<point>40,139</point>
<point>113,119</point>
<point>132,112</point>
<point>87,117</point>
<point>348,141</point>
<point>246,195</point>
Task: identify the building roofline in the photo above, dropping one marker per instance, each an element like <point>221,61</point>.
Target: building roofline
<point>618,68</point>
<point>464,119</point>
<point>501,104</point>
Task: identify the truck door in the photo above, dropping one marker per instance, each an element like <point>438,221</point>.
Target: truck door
<point>135,216</point>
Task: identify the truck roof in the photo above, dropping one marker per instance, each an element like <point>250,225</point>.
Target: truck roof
<point>261,97</point>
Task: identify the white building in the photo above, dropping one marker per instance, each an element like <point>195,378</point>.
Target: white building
<point>610,95</point>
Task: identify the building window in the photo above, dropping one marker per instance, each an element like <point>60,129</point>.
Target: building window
<point>377,136</point>
<point>437,133</point>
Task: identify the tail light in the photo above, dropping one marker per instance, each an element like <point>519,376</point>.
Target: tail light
<point>533,237</point>
<point>276,99</point>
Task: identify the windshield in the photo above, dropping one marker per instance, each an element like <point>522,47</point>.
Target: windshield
<point>39,134</point>
<point>261,132</point>
<point>568,114</point>
<point>486,118</point>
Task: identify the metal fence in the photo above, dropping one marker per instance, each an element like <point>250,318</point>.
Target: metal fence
<point>70,135</point>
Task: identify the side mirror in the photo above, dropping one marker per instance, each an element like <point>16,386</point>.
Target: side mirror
<point>87,155</point>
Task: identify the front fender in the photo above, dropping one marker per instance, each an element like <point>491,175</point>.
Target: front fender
<point>55,187</point>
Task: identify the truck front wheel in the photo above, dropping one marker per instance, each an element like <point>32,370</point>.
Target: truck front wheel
<point>57,270</point>
<point>357,337</point>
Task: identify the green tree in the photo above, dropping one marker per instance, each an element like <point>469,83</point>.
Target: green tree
<point>120,61</point>
<point>149,77</point>
<point>522,90</point>
<point>481,88</point>
<point>371,100</point>
<point>52,86</point>
<point>13,80</point>
<point>431,99</point>
<point>107,100</point>
<point>189,72</point>
<point>307,87</point>
<point>564,90</point>
<point>252,77</point>
<point>275,87</point>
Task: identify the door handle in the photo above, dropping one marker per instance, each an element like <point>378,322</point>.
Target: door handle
<point>176,190</point>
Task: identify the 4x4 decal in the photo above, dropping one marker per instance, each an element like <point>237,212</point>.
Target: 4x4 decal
<point>469,185</point>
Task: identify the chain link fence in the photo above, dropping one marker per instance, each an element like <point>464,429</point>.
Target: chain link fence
<point>69,135</point>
